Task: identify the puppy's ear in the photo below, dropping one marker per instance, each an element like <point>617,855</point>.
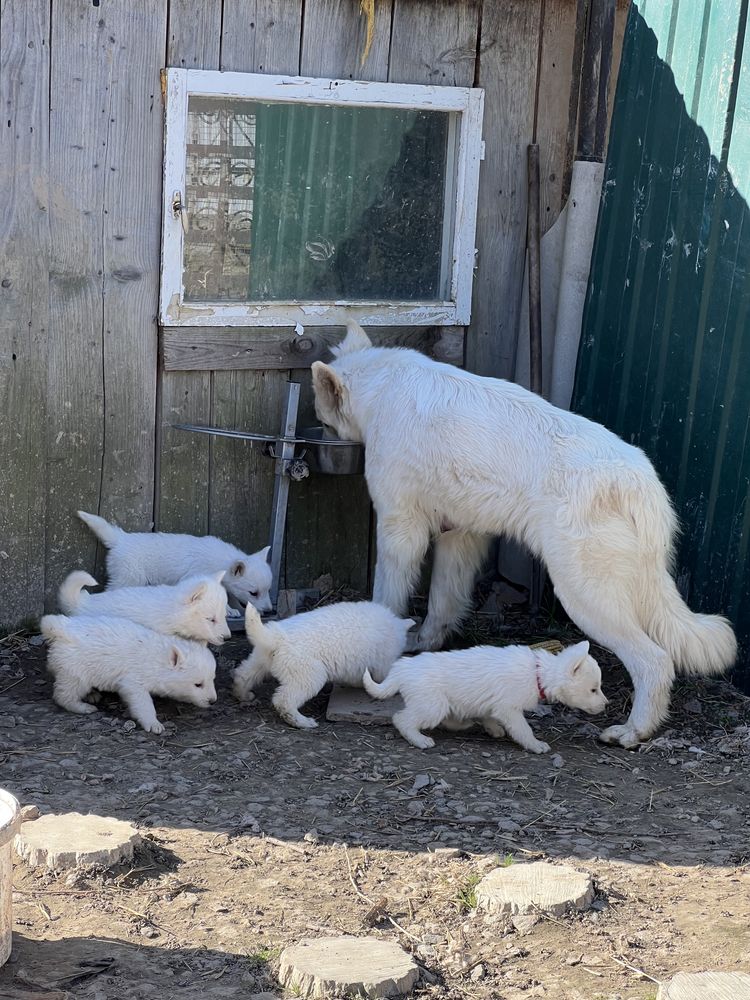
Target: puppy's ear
<point>176,657</point>
<point>409,622</point>
<point>220,576</point>
<point>578,654</point>
<point>355,340</point>
<point>238,568</point>
<point>196,593</point>
<point>328,387</point>
<point>266,553</point>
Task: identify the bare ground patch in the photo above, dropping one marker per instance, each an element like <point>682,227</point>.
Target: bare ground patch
<point>258,835</point>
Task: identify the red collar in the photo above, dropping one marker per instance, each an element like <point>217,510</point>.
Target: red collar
<point>540,689</point>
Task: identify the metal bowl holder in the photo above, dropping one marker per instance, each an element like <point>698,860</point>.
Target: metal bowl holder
<point>289,466</point>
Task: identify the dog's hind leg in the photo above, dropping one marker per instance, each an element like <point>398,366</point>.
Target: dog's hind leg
<point>402,544</point>
<point>458,557</point>
<point>493,728</point>
<point>609,619</point>
<point>69,691</point>
<point>247,676</point>
<point>296,688</point>
<point>409,724</point>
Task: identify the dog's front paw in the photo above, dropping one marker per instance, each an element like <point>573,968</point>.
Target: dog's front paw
<point>155,727</point>
<point>625,736</point>
<point>422,742</point>
<point>538,746</point>
<point>234,612</point>
<point>242,693</point>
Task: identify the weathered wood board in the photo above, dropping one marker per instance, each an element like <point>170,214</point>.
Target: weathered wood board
<point>185,395</point>
<point>508,72</point>
<point>24,316</point>
<point>105,131</point>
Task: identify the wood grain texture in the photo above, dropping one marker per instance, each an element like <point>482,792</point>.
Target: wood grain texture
<point>185,396</point>
<point>555,82</point>
<point>211,349</point>
<point>507,72</point>
<point>435,42</point>
<point>24,265</point>
<point>334,41</point>
<point>105,131</point>
<point>258,36</point>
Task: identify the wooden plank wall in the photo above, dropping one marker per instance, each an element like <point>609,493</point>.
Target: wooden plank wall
<point>86,413</point>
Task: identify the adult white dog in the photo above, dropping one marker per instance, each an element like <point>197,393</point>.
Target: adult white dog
<point>459,458</point>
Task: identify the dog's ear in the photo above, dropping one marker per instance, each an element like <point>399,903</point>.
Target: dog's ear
<point>409,622</point>
<point>328,387</point>
<point>176,657</point>
<point>355,340</point>
<point>578,654</point>
<point>238,568</point>
<point>196,593</point>
<point>220,576</point>
<point>266,553</point>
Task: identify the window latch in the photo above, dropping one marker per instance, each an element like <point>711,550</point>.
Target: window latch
<point>179,209</point>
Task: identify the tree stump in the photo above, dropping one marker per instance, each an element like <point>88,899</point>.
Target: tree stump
<point>71,840</point>
<point>553,889</point>
<point>706,986</point>
<point>347,966</point>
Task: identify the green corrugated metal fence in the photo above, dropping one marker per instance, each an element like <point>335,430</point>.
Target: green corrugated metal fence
<point>665,350</point>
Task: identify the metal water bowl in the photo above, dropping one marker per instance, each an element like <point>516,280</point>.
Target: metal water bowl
<point>330,455</point>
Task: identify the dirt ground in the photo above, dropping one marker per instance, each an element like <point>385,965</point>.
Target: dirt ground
<point>257,835</point>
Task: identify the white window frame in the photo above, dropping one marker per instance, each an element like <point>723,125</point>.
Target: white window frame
<point>468,102</point>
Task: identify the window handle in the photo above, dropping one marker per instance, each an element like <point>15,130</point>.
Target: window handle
<point>180,209</point>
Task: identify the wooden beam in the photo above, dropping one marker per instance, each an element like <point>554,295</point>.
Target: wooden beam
<point>209,349</point>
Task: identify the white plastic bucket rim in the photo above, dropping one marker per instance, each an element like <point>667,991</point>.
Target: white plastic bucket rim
<point>10,817</point>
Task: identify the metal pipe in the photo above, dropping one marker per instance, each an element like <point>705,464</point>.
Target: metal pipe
<point>534,240</point>
<point>281,486</point>
<point>589,103</point>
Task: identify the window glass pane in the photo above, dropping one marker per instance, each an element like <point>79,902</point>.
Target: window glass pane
<point>313,202</point>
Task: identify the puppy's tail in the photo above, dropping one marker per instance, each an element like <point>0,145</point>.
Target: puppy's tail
<point>106,533</point>
<point>261,636</point>
<point>386,689</point>
<point>54,627</point>
<point>70,595</point>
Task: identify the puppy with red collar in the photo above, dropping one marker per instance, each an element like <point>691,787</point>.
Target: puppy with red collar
<point>491,684</point>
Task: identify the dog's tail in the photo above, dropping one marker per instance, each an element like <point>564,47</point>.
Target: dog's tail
<point>386,688</point>
<point>54,627</point>
<point>697,643</point>
<point>106,533</point>
<point>70,595</point>
<point>261,636</point>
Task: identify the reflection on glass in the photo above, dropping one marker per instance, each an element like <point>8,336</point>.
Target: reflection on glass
<point>311,202</point>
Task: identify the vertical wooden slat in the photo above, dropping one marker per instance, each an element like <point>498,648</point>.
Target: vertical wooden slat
<point>434,43</point>
<point>333,44</point>
<point>184,467</point>
<point>258,36</point>
<point>24,265</point>
<point>507,71</point>
<point>105,170</point>
<point>555,82</point>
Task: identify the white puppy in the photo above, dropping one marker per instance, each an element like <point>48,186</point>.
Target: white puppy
<point>303,653</point>
<point>492,684</point>
<point>195,608</point>
<point>114,654</point>
<point>457,458</point>
<point>135,559</point>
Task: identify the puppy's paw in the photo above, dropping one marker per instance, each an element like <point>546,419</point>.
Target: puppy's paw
<point>493,729</point>
<point>626,736</point>
<point>87,709</point>
<point>94,697</point>
<point>155,727</point>
<point>242,693</point>
<point>422,742</point>
<point>538,746</point>
<point>303,722</point>
<point>234,612</point>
